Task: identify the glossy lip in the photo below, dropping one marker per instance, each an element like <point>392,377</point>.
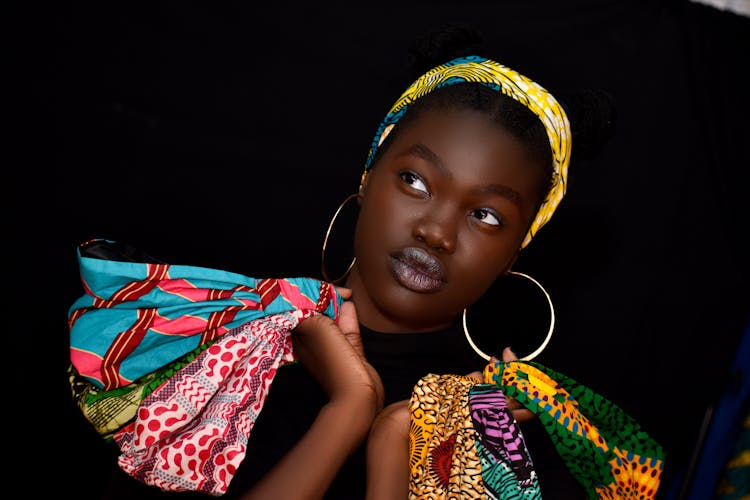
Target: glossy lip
<point>417,270</point>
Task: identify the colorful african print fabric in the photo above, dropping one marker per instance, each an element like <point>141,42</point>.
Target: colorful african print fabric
<point>475,69</point>
<point>137,317</point>
<point>174,363</point>
<point>464,443</point>
<point>109,411</point>
<point>604,448</point>
<point>191,432</point>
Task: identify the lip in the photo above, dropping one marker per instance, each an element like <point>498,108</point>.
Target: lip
<point>417,270</point>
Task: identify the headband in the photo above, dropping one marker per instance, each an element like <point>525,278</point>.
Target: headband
<point>502,79</point>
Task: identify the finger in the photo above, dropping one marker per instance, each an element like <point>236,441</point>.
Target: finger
<point>519,411</point>
<point>509,355</point>
<point>348,321</point>
<point>513,404</point>
<point>346,293</point>
<point>349,324</point>
<point>330,358</point>
<point>475,375</point>
<point>523,415</point>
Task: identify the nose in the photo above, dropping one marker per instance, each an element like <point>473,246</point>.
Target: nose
<point>436,230</point>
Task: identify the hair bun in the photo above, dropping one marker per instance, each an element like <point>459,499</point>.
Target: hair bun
<point>591,111</point>
<point>593,118</point>
<point>441,45</point>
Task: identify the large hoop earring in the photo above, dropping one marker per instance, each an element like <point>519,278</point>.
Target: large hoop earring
<point>325,244</point>
<point>539,349</point>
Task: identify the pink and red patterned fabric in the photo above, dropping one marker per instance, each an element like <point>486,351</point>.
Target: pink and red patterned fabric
<point>136,317</point>
<point>190,433</point>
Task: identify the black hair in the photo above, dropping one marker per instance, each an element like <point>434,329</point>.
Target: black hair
<point>591,112</point>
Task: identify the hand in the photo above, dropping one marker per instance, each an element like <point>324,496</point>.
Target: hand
<point>520,412</point>
<point>333,354</point>
<point>349,324</point>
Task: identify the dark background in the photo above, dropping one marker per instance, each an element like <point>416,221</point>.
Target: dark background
<point>225,135</point>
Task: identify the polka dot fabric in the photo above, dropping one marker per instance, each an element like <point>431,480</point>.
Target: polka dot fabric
<point>191,433</point>
<point>174,363</point>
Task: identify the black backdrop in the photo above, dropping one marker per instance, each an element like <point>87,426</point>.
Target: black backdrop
<point>226,135</point>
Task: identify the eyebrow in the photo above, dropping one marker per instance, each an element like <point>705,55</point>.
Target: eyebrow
<point>504,191</point>
<point>430,156</point>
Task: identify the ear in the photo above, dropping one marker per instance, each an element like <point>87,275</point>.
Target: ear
<point>363,181</point>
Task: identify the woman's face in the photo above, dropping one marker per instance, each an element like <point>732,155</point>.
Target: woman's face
<point>442,215</point>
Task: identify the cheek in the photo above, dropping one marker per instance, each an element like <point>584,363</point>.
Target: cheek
<point>482,261</point>
<point>371,230</point>
<point>477,278</point>
<point>381,216</point>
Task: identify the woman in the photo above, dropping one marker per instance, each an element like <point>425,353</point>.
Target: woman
<point>459,192</point>
<point>463,171</point>
<point>468,165</point>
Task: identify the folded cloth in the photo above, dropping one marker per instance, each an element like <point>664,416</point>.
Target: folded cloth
<point>221,337</point>
<point>465,443</point>
<point>136,317</point>
<point>604,448</point>
<point>191,432</point>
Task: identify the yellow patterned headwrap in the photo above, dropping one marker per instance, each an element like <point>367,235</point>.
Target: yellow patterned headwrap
<point>503,79</point>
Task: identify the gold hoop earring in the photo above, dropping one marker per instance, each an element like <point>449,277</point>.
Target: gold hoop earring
<point>325,244</point>
<point>547,338</point>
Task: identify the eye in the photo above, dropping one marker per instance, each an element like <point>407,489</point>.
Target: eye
<point>414,181</point>
<point>487,216</point>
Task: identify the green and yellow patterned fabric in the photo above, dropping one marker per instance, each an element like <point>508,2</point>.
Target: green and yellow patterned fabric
<point>465,443</point>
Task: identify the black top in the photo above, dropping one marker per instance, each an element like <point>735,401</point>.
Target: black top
<point>294,400</point>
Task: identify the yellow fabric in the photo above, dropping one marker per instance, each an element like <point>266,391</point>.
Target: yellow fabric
<point>443,459</point>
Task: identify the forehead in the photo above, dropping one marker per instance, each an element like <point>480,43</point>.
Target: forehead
<point>465,141</point>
